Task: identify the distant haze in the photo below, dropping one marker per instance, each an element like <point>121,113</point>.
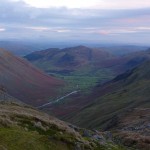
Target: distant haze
<point>86,21</point>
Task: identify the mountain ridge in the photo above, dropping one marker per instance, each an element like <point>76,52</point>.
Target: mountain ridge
<point>24,81</point>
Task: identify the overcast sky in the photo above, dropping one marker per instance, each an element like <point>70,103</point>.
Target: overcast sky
<point>97,21</point>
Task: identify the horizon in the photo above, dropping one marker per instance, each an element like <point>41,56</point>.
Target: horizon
<point>91,22</point>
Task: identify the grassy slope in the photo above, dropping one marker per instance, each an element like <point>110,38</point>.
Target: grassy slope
<point>84,80</point>
<point>18,139</point>
<point>22,127</point>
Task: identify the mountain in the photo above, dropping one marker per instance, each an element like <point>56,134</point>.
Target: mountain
<point>24,81</point>
<point>67,59</point>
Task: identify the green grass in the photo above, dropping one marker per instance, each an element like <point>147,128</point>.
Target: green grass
<point>111,147</point>
<point>24,128</point>
<point>84,80</point>
<point>79,82</point>
<point>17,139</point>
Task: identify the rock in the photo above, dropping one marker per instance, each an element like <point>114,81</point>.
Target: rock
<point>98,137</point>
<point>108,135</point>
<point>73,127</point>
<point>78,146</point>
<point>26,129</point>
<point>2,147</point>
<point>61,133</point>
<point>86,133</point>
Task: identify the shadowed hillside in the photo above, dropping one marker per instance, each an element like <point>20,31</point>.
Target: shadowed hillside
<point>69,61</point>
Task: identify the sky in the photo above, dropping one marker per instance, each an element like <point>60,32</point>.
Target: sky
<point>91,21</point>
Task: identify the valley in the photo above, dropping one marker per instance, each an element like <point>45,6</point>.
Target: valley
<point>74,74</point>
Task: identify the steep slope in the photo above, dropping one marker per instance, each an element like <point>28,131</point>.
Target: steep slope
<point>126,91</point>
<point>25,82</point>
<point>22,128</point>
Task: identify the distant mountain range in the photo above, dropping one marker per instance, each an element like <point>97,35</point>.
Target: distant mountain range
<point>124,49</point>
<point>18,48</point>
<point>24,81</point>
<point>74,59</point>
<point>68,59</point>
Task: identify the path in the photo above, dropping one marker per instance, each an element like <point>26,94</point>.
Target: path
<point>57,100</point>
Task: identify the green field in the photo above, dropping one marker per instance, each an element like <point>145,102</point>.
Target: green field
<point>84,80</point>
<point>24,128</point>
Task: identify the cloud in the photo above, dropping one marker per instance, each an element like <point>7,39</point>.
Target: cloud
<point>21,20</point>
<point>46,29</point>
<point>90,4</point>
<point>63,3</point>
<point>2,29</point>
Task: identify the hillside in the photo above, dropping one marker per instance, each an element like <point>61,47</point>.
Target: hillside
<point>25,82</point>
<point>126,91</point>
<point>69,60</point>
<point>22,127</point>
